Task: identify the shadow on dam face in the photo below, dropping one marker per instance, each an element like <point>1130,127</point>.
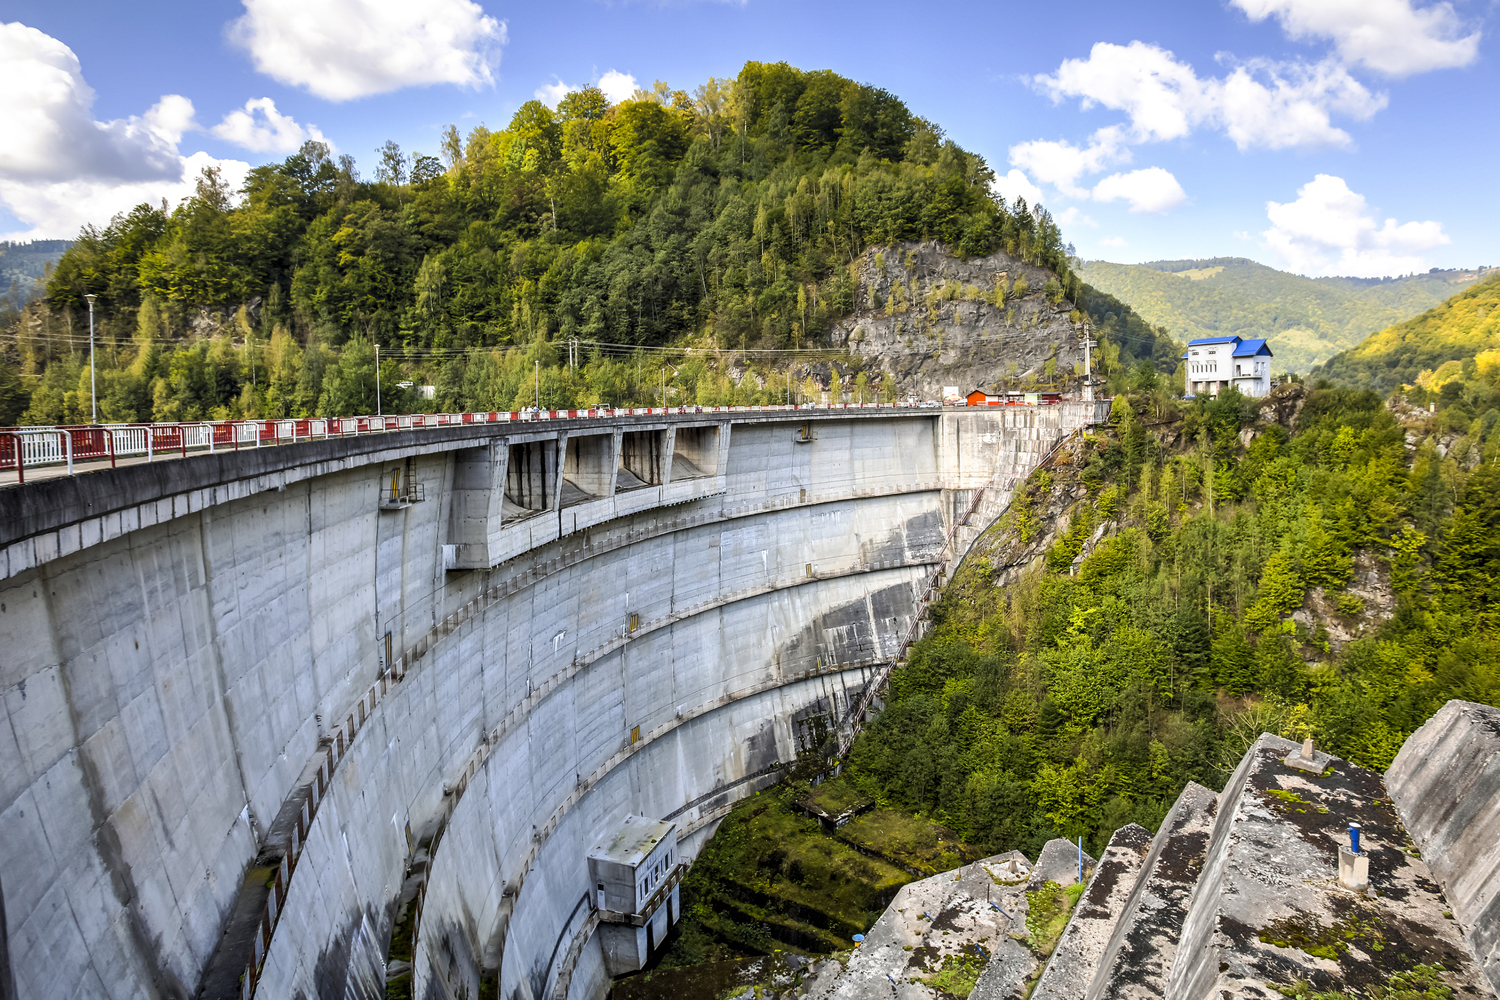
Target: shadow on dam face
<point>260,661</point>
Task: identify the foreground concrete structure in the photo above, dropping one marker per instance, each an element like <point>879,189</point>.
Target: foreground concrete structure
<point>256,699</point>
<point>1238,894</point>
<point>1445,783</point>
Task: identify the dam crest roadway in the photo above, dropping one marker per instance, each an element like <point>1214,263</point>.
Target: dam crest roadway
<point>259,700</point>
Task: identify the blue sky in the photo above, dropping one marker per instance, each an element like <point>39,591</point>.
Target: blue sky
<point>1322,136</point>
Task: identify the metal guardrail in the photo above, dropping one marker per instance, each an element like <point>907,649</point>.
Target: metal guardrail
<point>60,444</point>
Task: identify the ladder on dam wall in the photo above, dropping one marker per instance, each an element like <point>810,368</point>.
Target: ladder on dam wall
<point>989,502</point>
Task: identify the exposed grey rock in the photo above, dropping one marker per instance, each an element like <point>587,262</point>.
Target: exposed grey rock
<point>1445,784</point>
<point>1082,944</point>
<point>944,328</point>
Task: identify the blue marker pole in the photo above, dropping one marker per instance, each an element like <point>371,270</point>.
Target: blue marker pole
<point>1080,860</point>
<point>1354,837</point>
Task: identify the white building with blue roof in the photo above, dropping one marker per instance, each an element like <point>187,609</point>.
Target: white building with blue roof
<point>1215,363</point>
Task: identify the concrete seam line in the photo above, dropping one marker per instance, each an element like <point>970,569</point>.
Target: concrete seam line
<point>603,771</point>
<point>523,709</point>
<point>549,686</point>
<point>13,566</point>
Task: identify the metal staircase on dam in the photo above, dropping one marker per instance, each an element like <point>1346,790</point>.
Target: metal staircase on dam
<point>579,488</point>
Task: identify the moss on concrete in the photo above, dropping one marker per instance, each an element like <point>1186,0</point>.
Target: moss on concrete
<point>918,844</point>
<point>1047,911</point>
<point>770,878</point>
<point>957,976</point>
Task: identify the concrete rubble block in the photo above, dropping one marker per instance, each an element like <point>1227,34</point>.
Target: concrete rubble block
<point>1082,944</point>
<point>1058,862</point>
<point>1445,784</point>
<point>966,914</point>
<point>1269,909</point>
<point>1308,758</point>
<point>1139,953</point>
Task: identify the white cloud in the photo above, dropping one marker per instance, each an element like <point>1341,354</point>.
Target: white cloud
<point>59,209</point>
<point>1016,185</point>
<point>344,49</point>
<point>259,127</point>
<point>59,168</point>
<point>617,86</point>
<point>50,131</point>
<point>1259,104</point>
<point>1163,97</point>
<point>1061,164</point>
<point>550,93</point>
<point>1282,105</point>
<point>1330,229</point>
<point>1150,190</point>
<point>1113,241</point>
<point>1074,216</point>
<point>1388,36</point>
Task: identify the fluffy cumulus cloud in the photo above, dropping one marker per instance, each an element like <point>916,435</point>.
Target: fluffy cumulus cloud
<point>50,132</point>
<point>617,86</point>
<point>1074,216</point>
<point>1259,104</point>
<point>1061,164</point>
<point>550,93</point>
<point>1330,229</point>
<point>345,49</point>
<point>59,168</point>
<point>258,126</point>
<point>1389,36</point>
<point>1016,185</point>
<point>1149,190</point>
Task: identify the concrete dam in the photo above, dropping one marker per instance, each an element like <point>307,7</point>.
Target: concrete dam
<point>260,700</point>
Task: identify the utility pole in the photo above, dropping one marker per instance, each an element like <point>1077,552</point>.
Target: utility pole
<point>539,386</point>
<point>664,388</point>
<point>377,381</point>
<point>93,396</point>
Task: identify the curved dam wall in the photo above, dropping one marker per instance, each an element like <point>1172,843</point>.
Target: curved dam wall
<point>660,611</point>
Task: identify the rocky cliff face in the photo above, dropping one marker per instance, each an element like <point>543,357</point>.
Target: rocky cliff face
<point>934,320</point>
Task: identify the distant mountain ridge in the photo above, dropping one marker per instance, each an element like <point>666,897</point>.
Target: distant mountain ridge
<point>1306,320</point>
<point>25,263</point>
<point>1445,340</point>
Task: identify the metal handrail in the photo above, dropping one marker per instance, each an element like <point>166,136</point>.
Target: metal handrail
<point>54,444</point>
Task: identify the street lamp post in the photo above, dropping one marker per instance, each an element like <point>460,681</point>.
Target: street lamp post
<point>539,387</point>
<point>93,395</point>
<point>377,382</point>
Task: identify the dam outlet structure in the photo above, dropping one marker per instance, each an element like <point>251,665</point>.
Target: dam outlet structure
<point>501,678</point>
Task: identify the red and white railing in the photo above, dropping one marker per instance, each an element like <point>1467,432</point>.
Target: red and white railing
<point>67,445</point>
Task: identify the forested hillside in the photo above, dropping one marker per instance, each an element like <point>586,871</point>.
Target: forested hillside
<point>728,218</point>
<point>1315,567</point>
<point>1306,319</point>
<point>1452,350</point>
